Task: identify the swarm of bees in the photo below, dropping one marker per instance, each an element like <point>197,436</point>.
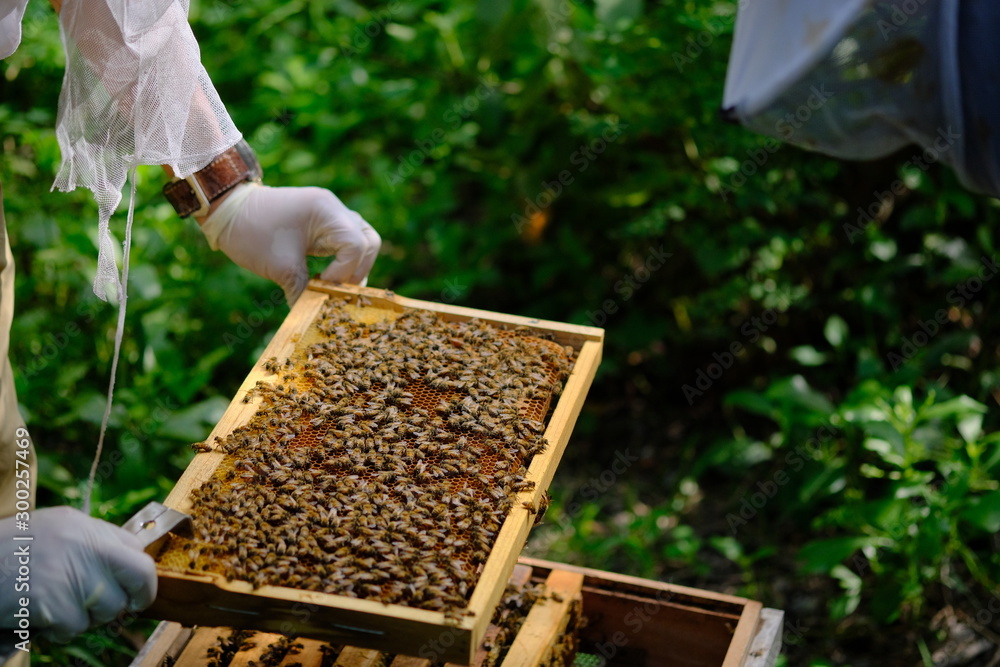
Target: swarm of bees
<point>382,461</point>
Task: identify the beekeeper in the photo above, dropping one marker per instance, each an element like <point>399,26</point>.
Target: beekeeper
<point>134,93</point>
<point>859,79</point>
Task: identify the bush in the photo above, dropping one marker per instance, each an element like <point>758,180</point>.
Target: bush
<point>564,160</point>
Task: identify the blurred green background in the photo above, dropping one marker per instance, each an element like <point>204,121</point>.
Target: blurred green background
<point>565,160</point>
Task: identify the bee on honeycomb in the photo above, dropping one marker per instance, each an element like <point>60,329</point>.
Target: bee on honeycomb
<point>382,461</point>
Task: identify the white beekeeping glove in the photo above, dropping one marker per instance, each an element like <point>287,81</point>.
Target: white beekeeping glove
<point>78,572</point>
<point>270,231</point>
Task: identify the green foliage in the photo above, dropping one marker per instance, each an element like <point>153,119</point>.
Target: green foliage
<point>919,491</point>
<point>565,160</point>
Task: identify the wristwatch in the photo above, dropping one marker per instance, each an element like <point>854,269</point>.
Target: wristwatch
<point>194,195</point>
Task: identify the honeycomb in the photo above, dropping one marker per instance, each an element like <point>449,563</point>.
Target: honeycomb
<point>382,461</point>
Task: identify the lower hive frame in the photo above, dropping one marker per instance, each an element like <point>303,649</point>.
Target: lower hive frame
<point>627,621</point>
<point>207,598</point>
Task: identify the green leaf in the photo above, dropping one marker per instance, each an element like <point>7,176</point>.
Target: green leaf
<point>728,547</point>
<point>889,453</point>
<point>618,13</point>
<point>807,355</point>
<point>795,391</point>
<point>850,582</point>
<point>835,331</point>
<point>86,657</point>
<point>957,407</point>
<point>195,422</point>
<point>970,427</point>
<point>887,601</point>
<point>984,512</point>
<point>751,401</point>
<point>822,556</point>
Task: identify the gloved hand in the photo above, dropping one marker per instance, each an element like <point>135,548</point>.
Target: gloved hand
<point>271,230</point>
<point>83,572</point>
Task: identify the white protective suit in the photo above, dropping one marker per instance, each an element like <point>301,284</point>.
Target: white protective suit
<point>134,93</point>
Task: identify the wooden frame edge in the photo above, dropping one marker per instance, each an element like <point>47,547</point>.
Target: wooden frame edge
<point>580,331</point>
<point>515,529</point>
<point>743,634</point>
<point>639,582</point>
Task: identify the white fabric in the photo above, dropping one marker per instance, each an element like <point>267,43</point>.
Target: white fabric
<point>777,41</point>
<point>271,230</point>
<point>11,13</point>
<point>134,93</point>
<point>854,79</point>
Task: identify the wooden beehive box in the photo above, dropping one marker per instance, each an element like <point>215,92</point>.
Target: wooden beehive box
<point>202,595</point>
<point>625,621</point>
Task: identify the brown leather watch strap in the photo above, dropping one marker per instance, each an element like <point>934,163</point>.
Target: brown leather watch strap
<point>225,172</point>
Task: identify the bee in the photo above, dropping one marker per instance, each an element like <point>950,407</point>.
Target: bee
<point>202,447</point>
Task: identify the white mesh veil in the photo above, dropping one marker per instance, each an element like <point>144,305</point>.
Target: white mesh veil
<point>856,80</point>
<point>135,92</point>
<point>11,12</point>
<point>860,79</point>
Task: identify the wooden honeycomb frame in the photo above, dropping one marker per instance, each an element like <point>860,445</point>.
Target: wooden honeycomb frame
<point>208,599</point>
